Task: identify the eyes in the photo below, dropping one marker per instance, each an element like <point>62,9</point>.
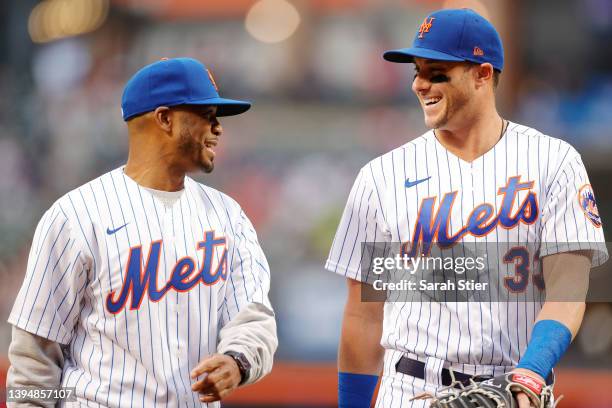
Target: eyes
<point>434,78</point>
<point>209,115</point>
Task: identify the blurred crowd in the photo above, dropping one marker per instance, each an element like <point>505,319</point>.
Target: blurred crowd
<point>325,103</point>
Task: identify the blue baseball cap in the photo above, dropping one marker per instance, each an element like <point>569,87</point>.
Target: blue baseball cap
<point>171,82</point>
<point>454,35</point>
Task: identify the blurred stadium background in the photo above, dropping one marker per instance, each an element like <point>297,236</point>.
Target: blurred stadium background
<point>325,103</point>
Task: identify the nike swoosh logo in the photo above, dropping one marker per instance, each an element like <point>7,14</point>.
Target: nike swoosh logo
<point>112,231</point>
<point>414,183</point>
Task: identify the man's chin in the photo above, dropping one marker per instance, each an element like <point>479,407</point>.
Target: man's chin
<point>434,123</point>
<point>431,124</point>
<point>207,167</point>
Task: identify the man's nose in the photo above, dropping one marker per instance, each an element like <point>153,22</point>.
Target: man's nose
<point>217,129</point>
<point>420,85</point>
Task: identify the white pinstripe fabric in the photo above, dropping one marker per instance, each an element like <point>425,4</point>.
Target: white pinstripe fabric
<point>136,357</point>
<point>475,337</point>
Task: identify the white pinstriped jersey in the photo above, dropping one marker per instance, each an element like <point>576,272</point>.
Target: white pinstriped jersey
<point>138,291</point>
<point>529,188</point>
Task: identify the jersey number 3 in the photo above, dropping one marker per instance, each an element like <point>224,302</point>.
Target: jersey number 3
<point>519,256</point>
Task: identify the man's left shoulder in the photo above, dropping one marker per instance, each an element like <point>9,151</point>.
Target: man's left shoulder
<point>213,197</point>
<point>524,133</point>
<point>537,141</point>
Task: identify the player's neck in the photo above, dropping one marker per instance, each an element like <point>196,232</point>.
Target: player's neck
<point>157,175</point>
<point>151,165</point>
<point>474,139</point>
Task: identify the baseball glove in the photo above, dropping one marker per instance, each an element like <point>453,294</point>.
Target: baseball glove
<point>495,393</point>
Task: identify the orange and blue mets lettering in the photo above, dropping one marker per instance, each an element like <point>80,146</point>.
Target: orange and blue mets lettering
<point>519,257</point>
<point>137,283</point>
<point>433,225</point>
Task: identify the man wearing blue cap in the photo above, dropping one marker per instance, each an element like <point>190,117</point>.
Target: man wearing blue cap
<point>474,184</point>
<point>145,287</point>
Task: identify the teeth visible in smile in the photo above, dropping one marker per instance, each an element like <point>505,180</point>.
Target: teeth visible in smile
<point>431,101</point>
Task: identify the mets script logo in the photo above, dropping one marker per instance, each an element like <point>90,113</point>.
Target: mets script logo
<point>432,225</point>
<point>425,26</point>
<point>586,199</point>
<point>138,282</point>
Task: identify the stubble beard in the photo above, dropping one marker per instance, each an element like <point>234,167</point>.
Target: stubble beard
<point>439,120</point>
<point>453,107</point>
<point>189,147</point>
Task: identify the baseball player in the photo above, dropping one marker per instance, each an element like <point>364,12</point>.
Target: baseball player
<point>475,177</point>
<point>145,288</point>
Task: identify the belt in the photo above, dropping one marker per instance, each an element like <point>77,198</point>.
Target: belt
<point>415,368</point>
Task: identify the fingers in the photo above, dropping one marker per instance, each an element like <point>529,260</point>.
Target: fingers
<point>214,396</point>
<point>212,381</point>
<point>207,365</point>
<point>218,377</point>
<point>212,389</point>
<point>217,391</point>
<point>523,400</point>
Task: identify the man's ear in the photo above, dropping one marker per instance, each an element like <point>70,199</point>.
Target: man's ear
<point>484,74</point>
<point>163,118</point>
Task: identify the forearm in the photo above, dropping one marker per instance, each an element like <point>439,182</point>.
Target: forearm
<point>360,350</point>
<point>252,331</point>
<point>35,362</point>
<point>360,355</point>
<point>567,277</point>
<point>570,314</point>
<point>567,282</point>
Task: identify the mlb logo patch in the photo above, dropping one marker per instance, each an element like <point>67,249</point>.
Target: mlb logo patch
<point>586,199</point>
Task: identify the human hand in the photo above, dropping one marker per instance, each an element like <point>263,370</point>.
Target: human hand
<point>220,376</point>
<point>522,399</point>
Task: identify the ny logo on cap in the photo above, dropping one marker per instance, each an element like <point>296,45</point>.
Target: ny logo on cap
<point>425,26</point>
<point>212,79</point>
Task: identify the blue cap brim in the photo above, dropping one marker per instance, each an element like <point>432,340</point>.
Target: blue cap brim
<point>225,107</point>
<point>408,54</point>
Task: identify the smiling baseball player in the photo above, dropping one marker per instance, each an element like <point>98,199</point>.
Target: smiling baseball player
<point>475,177</point>
<point>144,287</point>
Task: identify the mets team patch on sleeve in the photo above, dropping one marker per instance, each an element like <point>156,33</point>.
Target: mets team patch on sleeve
<point>586,199</point>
